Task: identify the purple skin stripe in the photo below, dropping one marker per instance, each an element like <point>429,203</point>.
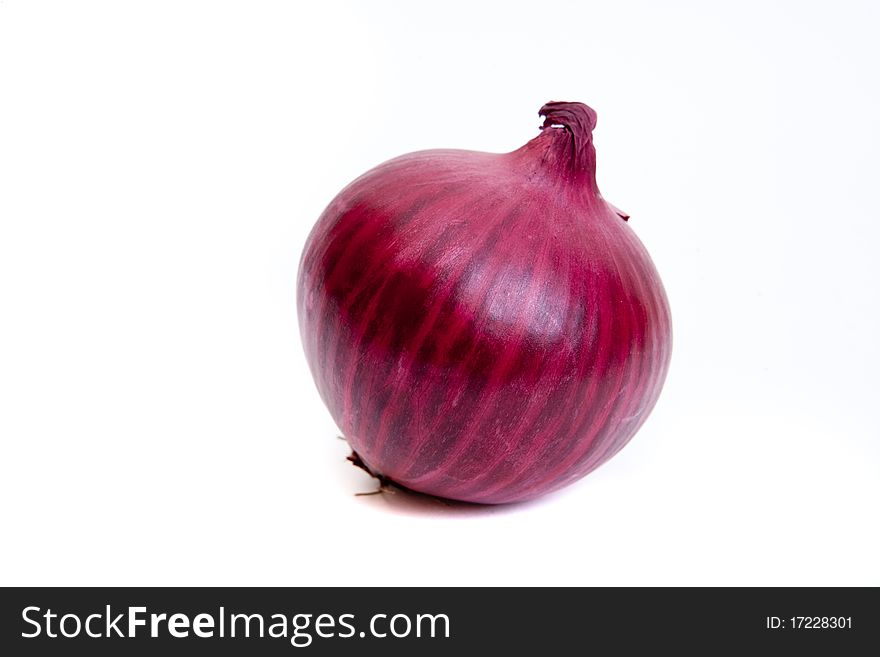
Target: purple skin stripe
<point>528,286</point>
<point>484,327</point>
<point>426,327</point>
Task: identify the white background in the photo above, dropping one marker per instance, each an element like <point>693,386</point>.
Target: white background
<point>161,164</point>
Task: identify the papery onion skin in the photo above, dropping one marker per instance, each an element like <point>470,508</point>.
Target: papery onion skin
<point>484,327</point>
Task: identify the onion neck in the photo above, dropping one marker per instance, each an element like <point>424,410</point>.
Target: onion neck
<point>564,149</point>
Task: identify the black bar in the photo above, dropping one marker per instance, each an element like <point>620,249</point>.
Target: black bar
<point>540,621</point>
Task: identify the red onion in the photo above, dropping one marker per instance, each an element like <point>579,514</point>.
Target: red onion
<point>484,327</point>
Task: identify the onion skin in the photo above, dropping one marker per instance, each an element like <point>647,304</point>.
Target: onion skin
<point>484,327</point>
